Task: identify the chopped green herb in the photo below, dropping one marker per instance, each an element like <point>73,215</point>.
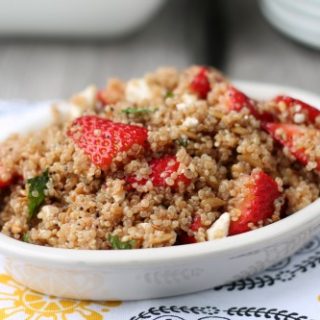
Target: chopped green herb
<point>36,192</point>
<point>137,112</point>
<point>183,142</point>
<point>116,243</point>
<point>25,237</point>
<point>169,94</point>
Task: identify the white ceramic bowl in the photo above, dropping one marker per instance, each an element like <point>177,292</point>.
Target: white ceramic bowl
<point>151,273</point>
<point>76,18</point>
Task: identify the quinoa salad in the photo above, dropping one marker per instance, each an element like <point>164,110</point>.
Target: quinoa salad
<point>169,159</point>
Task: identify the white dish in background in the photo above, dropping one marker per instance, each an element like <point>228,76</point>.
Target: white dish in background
<point>77,18</point>
<point>309,7</point>
<point>298,20</point>
<point>151,273</point>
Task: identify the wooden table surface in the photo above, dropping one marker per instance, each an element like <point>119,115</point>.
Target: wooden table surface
<point>37,69</point>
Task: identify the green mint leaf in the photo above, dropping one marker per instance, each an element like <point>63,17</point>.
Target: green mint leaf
<point>26,238</point>
<point>117,244</point>
<point>169,94</point>
<point>137,112</point>
<point>36,192</point>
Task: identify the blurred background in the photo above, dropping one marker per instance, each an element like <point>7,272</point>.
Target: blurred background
<point>53,48</point>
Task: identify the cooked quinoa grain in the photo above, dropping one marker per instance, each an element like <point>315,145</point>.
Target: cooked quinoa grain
<point>171,158</point>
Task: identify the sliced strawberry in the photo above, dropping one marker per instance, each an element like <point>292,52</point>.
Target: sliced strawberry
<point>238,100</point>
<point>258,204</point>
<point>289,134</point>
<point>161,169</point>
<point>6,179</point>
<point>102,97</point>
<point>298,111</point>
<point>130,180</point>
<point>196,223</point>
<point>5,183</point>
<point>102,139</point>
<point>184,238</point>
<point>200,84</point>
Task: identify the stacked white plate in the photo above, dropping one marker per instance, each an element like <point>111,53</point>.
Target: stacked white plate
<point>75,18</point>
<point>299,19</point>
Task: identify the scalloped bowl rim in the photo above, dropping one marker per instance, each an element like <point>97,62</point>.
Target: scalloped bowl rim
<point>136,257</point>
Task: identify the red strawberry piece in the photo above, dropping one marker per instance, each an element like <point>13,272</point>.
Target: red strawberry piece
<point>102,97</point>
<point>258,204</point>
<point>238,100</point>
<point>200,84</point>
<point>298,107</point>
<point>161,169</point>
<point>6,179</point>
<point>184,238</point>
<point>5,183</point>
<point>196,224</point>
<point>130,180</point>
<point>102,139</point>
<point>287,135</point>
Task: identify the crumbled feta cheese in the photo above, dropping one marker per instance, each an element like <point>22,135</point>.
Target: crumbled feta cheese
<point>188,100</point>
<point>90,95</point>
<point>70,109</point>
<point>137,90</point>
<point>48,212</point>
<point>75,111</point>
<point>220,228</point>
<point>190,122</point>
<point>299,118</point>
<point>84,100</point>
<point>181,106</point>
